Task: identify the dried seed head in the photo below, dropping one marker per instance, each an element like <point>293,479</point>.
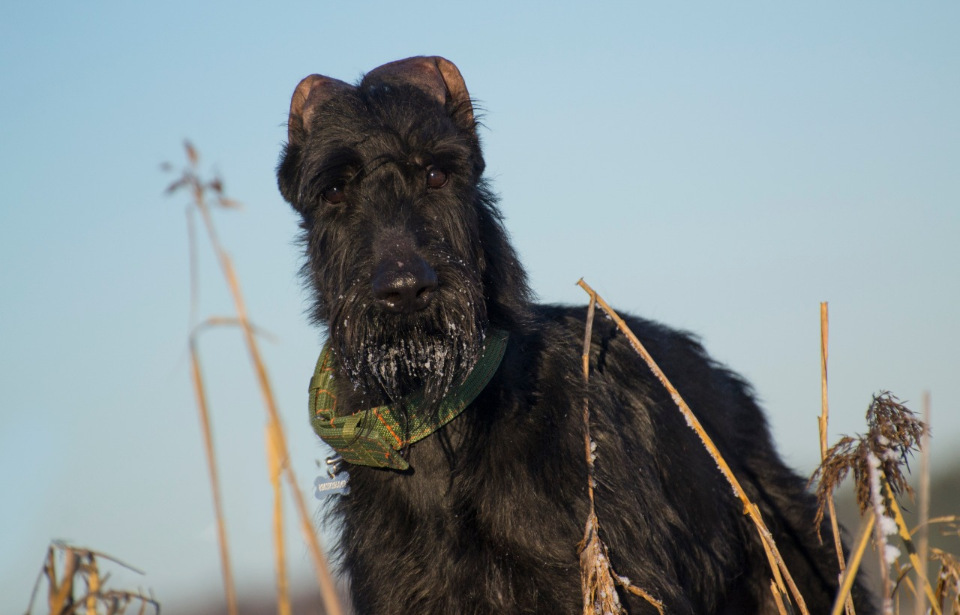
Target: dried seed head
<point>893,434</point>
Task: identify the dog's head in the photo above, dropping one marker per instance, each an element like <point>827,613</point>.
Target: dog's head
<point>405,251</point>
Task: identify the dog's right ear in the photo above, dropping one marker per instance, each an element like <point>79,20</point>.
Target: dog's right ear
<point>311,92</point>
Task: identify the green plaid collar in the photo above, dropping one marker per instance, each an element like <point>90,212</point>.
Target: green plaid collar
<point>374,437</point>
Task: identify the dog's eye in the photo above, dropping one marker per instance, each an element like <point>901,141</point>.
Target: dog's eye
<point>334,194</point>
<point>435,177</point>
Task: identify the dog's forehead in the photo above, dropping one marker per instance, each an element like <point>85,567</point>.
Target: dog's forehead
<point>392,102</point>
<point>381,108</point>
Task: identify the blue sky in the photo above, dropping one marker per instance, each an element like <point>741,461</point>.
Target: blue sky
<point>721,167</point>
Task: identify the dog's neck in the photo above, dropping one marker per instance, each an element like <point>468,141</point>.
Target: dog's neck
<point>375,436</point>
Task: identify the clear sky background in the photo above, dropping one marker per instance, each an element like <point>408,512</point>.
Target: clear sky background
<point>722,167</point>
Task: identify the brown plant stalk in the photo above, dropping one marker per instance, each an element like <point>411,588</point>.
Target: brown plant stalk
<point>905,536</point>
<point>275,464</point>
<point>597,578</point>
<point>846,581</point>
<point>823,422</point>
<point>224,545</point>
<point>923,541</point>
<point>778,568</point>
<point>190,179</point>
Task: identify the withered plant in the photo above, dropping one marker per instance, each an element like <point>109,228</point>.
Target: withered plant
<point>598,581</point>
<point>893,434</point>
<point>879,461</point>
<point>947,593</point>
<point>75,584</point>
<point>278,457</point>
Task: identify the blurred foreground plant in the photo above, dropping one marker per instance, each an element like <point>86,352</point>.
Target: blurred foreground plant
<point>278,456</point>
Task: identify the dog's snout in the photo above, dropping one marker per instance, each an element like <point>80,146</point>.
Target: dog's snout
<point>404,286</point>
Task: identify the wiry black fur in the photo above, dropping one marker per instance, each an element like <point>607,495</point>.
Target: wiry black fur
<point>488,518</point>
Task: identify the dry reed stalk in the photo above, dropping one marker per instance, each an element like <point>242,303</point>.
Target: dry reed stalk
<point>224,546</point>
<point>58,594</point>
<point>93,584</point>
<point>275,464</point>
<point>777,598</point>
<point>875,478</point>
<point>323,577</point>
<point>778,568</point>
<point>636,591</point>
<point>905,536</point>
<point>903,579</point>
<point>935,520</point>
<point>587,441</point>
<point>824,405</point>
<point>823,422</point>
<point>923,541</point>
<point>598,581</point>
<point>948,580</point>
<point>846,584</point>
<point>191,179</point>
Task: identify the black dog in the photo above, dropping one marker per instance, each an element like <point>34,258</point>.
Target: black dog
<point>456,402</point>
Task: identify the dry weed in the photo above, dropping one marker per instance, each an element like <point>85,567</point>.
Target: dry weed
<point>278,456</point>
<point>893,434</point>
<point>80,587</point>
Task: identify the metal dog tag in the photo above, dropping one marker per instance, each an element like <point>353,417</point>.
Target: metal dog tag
<point>336,481</point>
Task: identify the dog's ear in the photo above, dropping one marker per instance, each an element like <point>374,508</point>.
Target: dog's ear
<point>310,92</point>
<point>434,75</point>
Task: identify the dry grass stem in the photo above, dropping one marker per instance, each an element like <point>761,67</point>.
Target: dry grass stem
<point>823,423</point>
<point>880,532</point>
<point>598,581</point>
<point>824,405</point>
<point>948,581</point>
<point>585,362</point>
<point>778,568</point>
<point>903,580</point>
<point>846,582</point>
<point>596,578</point>
<point>227,321</point>
<point>947,519</point>
<point>224,546</point>
<point>923,540</point>
<point>636,591</point>
<point>778,598</point>
<point>191,180</point>
<point>275,464</point>
<point>905,536</point>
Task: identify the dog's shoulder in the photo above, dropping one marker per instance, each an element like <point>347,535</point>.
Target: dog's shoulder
<point>725,399</point>
<point>566,324</point>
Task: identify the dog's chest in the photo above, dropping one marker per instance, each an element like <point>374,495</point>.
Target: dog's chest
<point>471,498</point>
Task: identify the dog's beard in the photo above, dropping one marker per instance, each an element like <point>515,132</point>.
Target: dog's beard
<point>390,357</point>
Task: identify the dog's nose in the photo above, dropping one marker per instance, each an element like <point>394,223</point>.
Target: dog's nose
<point>404,286</point>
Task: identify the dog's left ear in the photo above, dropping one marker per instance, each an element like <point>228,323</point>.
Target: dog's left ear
<point>434,75</point>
